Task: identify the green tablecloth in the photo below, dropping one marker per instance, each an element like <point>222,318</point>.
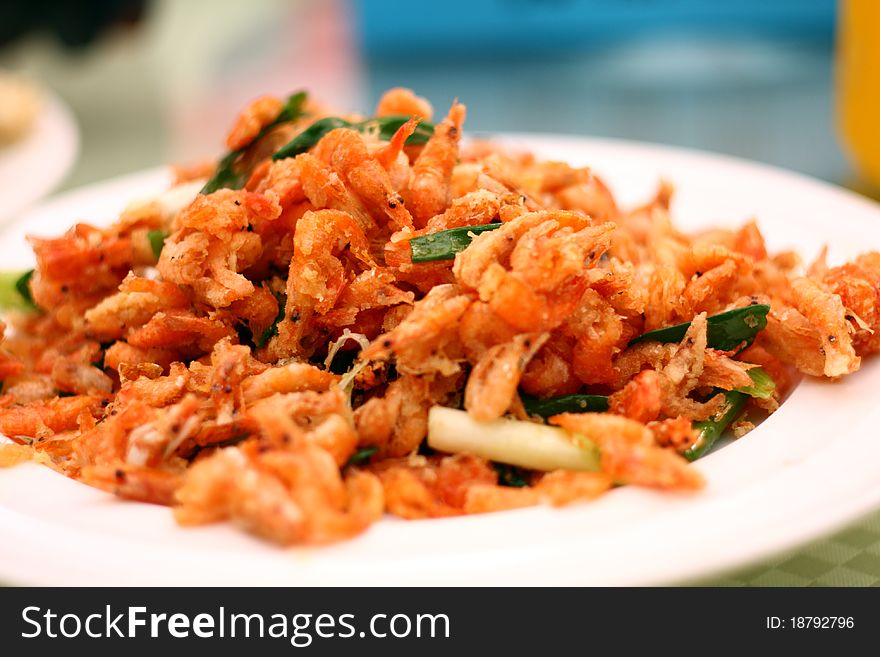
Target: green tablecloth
<point>850,557</point>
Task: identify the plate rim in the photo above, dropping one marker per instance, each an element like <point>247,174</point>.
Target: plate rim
<point>55,120</point>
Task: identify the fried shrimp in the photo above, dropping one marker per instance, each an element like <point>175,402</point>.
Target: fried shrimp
<point>371,314</point>
<point>253,118</point>
<point>493,382</point>
<point>400,100</point>
<point>428,193</point>
<point>629,452</point>
<point>344,150</point>
<point>213,245</point>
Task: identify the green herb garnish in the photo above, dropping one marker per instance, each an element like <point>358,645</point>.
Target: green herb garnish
<point>510,475</point>
<point>444,244</point>
<point>383,127</point>
<point>15,291</point>
<point>709,431</point>
<point>272,330</point>
<point>565,404</point>
<point>157,241</point>
<point>725,331</point>
<point>227,174</point>
<point>362,455</point>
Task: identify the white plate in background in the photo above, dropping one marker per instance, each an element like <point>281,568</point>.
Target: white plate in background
<point>811,467</point>
<point>36,164</point>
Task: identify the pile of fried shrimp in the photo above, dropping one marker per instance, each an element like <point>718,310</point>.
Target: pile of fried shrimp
<point>274,363</point>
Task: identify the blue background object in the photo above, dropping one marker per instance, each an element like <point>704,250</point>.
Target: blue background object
<point>389,27</point>
<point>751,78</point>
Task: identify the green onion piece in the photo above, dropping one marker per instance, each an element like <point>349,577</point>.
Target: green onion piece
<point>23,287</point>
<point>272,330</point>
<point>292,110</point>
<point>15,294</point>
<point>157,241</point>
<point>709,431</point>
<point>762,386</point>
<point>362,455</point>
<point>565,404</point>
<point>444,244</point>
<point>383,126</point>
<point>227,176</point>
<point>310,136</point>
<point>725,331</point>
<point>510,475</point>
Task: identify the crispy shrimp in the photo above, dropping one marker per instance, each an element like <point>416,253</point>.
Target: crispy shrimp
<point>428,191</point>
<point>628,452</point>
<point>557,488</point>
<point>494,247</point>
<point>675,432</point>
<point>278,180</point>
<point>253,118</point>
<point>599,335</point>
<point>550,371</point>
<point>721,371</point>
<point>74,271</point>
<point>141,484</point>
<point>325,189</point>
<point>473,209</point>
<point>371,289</point>
<point>291,420</point>
<point>328,245</point>
<point>480,328</point>
<point>147,384</point>
<point>397,421</point>
<point>344,151</point>
<point>122,353</point>
<point>791,338</point>
<point>42,419</point>
<point>432,487</point>
<point>135,304</point>
<point>389,155</point>
<point>80,379</point>
<point>400,100</point>
<point>641,399</point>
<point>316,270</point>
<point>858,286</point>
<point>213,245</point>
<point>292,377</point>
<point>493,382</point>
<point>419,342</point>
<point>179,330</point>
<point>826,313</point>
<point>287,497</point>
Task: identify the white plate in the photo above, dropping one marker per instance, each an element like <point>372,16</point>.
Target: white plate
<point>811,467</point>
<point>35,165</point>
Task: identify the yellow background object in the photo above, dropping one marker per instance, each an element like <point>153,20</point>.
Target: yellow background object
<point>858,79</point>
